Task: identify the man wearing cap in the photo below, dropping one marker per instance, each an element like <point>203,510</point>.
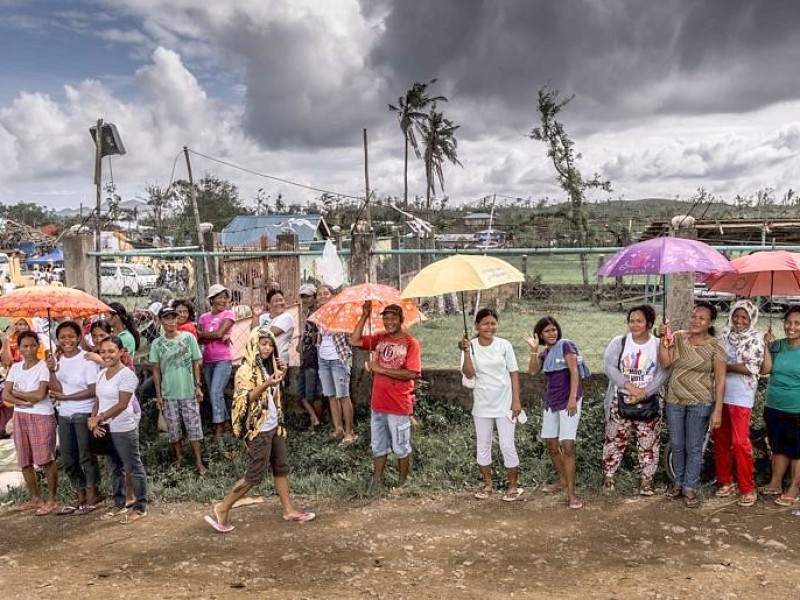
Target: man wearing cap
<point>395,364</point>
<point>176,359</point>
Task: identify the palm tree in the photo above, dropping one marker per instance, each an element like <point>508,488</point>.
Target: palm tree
<point>410,114</point>
<point>440,144</point>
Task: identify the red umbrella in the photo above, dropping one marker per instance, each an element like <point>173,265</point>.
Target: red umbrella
<point>761,274</point>
<point>50,301</point>
<point>340,313</point>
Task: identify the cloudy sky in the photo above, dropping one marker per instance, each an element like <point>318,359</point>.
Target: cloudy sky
<point>670,95</point>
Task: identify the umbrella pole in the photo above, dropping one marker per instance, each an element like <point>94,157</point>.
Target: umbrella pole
<point>771,288</point>
<point>663,298</point>
<point>464,314</point>
<point>49,330</point>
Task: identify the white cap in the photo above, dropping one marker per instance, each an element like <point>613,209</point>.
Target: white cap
<point>308,289</point>
<point>216,290</point>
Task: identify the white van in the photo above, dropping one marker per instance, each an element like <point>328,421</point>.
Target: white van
<point>126,279</point>
<point>5,267</point>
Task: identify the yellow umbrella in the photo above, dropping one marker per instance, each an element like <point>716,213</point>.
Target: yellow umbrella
<point>459,273</point>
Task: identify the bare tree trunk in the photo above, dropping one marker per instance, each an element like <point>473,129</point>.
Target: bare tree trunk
<point>405,178</point>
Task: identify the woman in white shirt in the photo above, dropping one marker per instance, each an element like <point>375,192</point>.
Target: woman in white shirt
<point>279,322</point>
<point>490,362</point>
<point>72,380</point>
<point>26,387</point>
<point>114,415</point>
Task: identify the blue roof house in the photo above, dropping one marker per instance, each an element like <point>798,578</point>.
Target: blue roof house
<point>251,230</point>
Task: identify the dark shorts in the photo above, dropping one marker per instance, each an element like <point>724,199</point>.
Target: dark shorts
<point>266,452</point>
<point>309,387</point>
<point>783,430</point>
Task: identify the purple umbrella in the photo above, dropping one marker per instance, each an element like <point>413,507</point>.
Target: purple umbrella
<point>663,255</point>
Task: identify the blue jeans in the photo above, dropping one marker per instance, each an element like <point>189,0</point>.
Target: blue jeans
<point>688,426</point>
<point>217,375</point>
<point>125,454</point>
<point>78,462</point>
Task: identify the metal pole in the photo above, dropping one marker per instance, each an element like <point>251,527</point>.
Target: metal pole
<point>367,212</point>
<point>202,281</point>
<point>98,176</point>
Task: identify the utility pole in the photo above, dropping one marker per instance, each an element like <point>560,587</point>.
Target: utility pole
<point>98,177</point>
<point>201,278</point>
<point>367,212</point>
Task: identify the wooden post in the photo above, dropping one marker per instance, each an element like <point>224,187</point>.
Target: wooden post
<point>98,182</point>
<point>367,211</point>
<point>201,282</point>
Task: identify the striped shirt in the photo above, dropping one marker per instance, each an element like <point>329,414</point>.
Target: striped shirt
<point>692,379</point>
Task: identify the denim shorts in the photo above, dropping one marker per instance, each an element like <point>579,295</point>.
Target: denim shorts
<point>390,433</point>
<point>335,378</point>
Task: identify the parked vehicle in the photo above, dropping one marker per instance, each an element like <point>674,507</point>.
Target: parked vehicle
<point>721,300</point>
<point>126,279</point>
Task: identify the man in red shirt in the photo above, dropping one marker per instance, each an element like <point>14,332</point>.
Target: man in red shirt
<point>395,364</point>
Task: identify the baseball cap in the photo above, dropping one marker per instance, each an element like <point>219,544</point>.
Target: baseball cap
<point>308,289</point>
<point>155,308</point>
<point>167,311</point>
<point>216,290</point>
<point>393,308</point>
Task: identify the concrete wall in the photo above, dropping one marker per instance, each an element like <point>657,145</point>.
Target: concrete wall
<point>79,267</point>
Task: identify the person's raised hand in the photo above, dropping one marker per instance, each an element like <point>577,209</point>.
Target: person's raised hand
<point>533,341</point>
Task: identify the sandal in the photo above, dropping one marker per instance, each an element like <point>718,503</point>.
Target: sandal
<point>674,492</point>
<point>29,505</point>
<point>553,488</point>
<point>114,512</point>
<point>646,488</point>
<point>692,501</point>
<point>85,509</point>
<point>66,510</point>
<point>216,526</point>
<point>575,503</point>
<point>510,496</point>
<point>770,491</point>
<point>300,517</point>
<point>132,516</point>
<point>46,509</point>
<point>483,493</point>
<point>724,490</point>
<point>782,500</point>
<point>747,500</point>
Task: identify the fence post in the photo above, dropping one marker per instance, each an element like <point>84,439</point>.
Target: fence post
<point>680,286</point>
<point>362,268</point>
<point>80,268</point>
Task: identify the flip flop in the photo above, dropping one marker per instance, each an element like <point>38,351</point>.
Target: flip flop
<point>216,526</point>
<point>300,518</point>
<point>513,496</point>
<point>29,505</point>
<point>575,504</point>
<point>66,510</point>
<point>483,494</point>
<point>769,492</point>
<point>782,500</point>
<point>85,509</point>
<point>45,510</point>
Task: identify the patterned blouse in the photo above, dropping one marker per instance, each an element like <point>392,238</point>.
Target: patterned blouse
<point>692,379</point>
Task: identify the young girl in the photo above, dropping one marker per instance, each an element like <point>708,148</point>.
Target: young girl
<point>115,388</point>
<point>562,401</point>
<point>258,418</point>
<point>491,362</point>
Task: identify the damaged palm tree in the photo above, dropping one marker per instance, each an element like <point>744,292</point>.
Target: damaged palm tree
<point>561,150</point>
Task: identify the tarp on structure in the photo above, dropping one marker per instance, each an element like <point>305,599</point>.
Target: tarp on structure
<point>56,256</point>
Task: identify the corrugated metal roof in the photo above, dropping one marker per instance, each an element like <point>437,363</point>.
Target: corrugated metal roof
<point>247,230</point>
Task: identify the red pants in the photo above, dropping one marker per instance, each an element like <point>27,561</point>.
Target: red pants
<point>733,449</point>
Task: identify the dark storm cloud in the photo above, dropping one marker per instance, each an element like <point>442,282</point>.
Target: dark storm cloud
<point>623,58</point>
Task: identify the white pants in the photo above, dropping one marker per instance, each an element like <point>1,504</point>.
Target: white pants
<point>484,428</point>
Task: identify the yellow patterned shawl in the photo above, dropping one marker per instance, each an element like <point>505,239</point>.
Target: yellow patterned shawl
<point>248,415</point>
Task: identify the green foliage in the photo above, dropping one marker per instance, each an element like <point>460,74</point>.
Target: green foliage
<point>28,213</point>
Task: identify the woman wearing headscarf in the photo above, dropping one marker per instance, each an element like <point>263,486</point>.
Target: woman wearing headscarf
<point>744,345</point>
<point>257,418</point>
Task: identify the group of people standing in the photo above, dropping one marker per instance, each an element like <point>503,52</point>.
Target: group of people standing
<point>700,384</point>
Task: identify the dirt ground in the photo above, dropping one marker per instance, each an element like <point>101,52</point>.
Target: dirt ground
<point>413,547</point>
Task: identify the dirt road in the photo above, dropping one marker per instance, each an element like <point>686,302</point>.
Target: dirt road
<point>444,547</point>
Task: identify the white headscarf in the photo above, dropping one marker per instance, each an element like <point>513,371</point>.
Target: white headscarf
<point>749,344</point>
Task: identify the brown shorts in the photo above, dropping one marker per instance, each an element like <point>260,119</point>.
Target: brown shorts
<point>266,451</point>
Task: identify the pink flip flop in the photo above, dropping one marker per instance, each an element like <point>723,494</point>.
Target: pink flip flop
<point>216,526</point>
<point>301,518</point>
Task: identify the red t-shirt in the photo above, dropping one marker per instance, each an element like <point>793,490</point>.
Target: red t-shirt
<point>391,395</point>
<point>188,327</point>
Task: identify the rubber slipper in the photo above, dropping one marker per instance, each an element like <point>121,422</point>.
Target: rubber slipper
<point>782,500</point>
<point>132,516</point>
<point>513,496</point>
<point>483,494</point>
<point>552,488</point>
<point>66,510</point>
<point>724,491</point>
<point>85,509</point>
<point>674,493</point>
<point>45,510</point>
<point>301,518</point>
<point>117,511</point>
<point>29,505</point>
<point>692,501</point>
<point>576,504</point>
<point>216,526</point>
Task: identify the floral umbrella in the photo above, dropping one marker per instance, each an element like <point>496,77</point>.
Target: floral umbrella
<point>664,255</point>
<point>50,301</point>
<point>340,313</point>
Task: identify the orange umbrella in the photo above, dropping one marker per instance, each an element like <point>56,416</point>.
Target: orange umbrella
<point>52,302</point>
<point>340,313</point>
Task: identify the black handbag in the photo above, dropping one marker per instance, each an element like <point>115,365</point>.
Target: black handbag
<point>649,408</point>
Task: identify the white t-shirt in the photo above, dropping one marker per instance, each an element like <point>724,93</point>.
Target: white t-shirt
<point>639,361</point>
<point>28,380</point>
<point>284,322</point>
<point>740,390</point>
<point>327,348</point>
<point>108,391</point>
<point>271,421</point>
<point>493,363</point>
<point>76,374</point>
